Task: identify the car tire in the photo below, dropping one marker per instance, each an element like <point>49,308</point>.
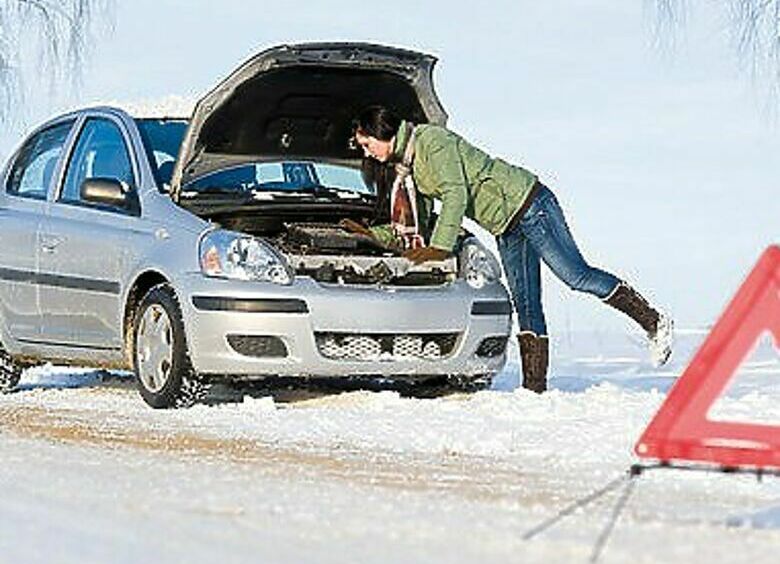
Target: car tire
<point>161,361</point>
<point>10,371</point>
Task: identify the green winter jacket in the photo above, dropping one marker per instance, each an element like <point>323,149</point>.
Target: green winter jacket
<point>467,181</point>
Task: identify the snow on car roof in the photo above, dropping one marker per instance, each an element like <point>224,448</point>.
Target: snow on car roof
<point>170,106</point>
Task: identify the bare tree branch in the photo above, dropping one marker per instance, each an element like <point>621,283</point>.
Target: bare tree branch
<point>755,31</point>
<point>757,35</point>
<point>670,17</point>
<point>56,35</point>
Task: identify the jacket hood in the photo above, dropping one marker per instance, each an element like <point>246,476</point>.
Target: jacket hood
<point>298,102</point>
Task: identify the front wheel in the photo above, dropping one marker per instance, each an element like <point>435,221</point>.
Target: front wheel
<point>10,371</point>
<point>161,361</point>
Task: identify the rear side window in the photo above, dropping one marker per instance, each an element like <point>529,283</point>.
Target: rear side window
<point>100,152</point>
<point>34,167</point>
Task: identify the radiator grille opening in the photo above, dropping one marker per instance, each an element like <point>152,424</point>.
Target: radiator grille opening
<point>492,347</point>
<point>259,346</point>
<point>386,346</point>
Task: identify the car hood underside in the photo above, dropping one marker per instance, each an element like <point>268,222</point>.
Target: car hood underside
<point>298,102</point>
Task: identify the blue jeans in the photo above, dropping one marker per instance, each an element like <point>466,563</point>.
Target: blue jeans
<point>542,234</point>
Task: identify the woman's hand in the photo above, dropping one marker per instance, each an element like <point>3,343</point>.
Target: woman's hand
<point>355,227</point>
<point>425,254</point>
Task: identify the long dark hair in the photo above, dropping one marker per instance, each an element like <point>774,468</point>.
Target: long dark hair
<point>379,176</point>
<point>377,121</point>
<point>382,123</point>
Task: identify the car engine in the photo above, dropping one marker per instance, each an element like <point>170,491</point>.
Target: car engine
<point>330,254</point>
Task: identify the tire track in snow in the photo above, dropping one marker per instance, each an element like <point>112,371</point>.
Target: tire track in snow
<point>476,478</point>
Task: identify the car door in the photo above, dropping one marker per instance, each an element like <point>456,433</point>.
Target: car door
<point>84,245</point>
<point>22,208</point>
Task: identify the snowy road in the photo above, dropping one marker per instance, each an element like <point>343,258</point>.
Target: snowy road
<point>90,474</point>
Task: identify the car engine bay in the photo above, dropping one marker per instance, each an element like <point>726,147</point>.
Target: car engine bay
<point>330,254</point>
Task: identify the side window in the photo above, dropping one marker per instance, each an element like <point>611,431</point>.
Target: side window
<point>100,152</point>
<point>34,167</point>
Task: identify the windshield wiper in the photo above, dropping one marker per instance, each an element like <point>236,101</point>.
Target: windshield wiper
<point>276,192</point>
<point>340,193</point>
<point>215,191</point>
<point>356,193</point>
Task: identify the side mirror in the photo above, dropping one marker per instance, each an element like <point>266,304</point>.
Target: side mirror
<point>109,191</point>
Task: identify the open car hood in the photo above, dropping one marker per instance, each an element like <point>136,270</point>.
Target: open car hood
<point>297,102</point>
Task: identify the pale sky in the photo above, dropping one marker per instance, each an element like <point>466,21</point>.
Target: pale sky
<point>666,165</point>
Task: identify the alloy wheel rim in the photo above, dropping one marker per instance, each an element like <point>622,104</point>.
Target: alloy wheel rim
<point>154,348</point>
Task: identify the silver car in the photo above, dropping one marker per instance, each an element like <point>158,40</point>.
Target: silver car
<point>209,247</point>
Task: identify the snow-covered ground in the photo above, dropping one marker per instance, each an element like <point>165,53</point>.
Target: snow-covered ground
<point>90,474</point>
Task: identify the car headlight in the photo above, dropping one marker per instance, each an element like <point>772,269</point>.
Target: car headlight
<point>226,254</point>
<point>478,266</point>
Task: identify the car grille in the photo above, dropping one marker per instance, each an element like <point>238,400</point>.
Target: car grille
<point>492,347</point>
<point>385,346</point>
<point>259,346</point>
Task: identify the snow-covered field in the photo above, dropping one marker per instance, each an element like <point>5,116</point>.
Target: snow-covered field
<point>90,474</point>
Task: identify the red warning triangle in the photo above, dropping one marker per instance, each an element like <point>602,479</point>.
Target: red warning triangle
<point>681,430</point>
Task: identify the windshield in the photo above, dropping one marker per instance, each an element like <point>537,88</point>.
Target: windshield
<point>287,176</point>
<point>162,139</point>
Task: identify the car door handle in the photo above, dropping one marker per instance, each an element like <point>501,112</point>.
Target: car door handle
<point>49,243</point>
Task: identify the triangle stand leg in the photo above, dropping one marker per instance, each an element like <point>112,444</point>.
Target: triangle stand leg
<point>578,504</point>
<point>616,512</point>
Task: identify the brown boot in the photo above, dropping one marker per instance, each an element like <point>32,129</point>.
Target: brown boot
<point>624,298</point>
<point>659,327</point>
<point>534,353</point>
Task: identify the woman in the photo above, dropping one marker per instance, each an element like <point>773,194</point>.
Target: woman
<point>521,212</point>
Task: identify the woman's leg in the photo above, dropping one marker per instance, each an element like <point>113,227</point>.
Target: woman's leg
<point>544,225</point>
<point>523,270</point>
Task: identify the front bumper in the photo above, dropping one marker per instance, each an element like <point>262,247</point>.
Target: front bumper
<point>218,312</point>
